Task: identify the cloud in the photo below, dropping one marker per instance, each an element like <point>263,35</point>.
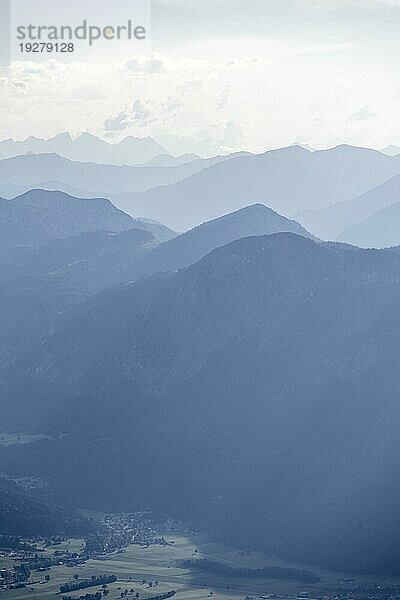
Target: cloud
<point>138,114</point>
<point>138,64</point>
<point>200,142</point>
<point>362,114</point>
<point>142,114</point>
<point>118,123</point>
<point>223,100</point>
<point>233,135</point>
<point>210,105</point>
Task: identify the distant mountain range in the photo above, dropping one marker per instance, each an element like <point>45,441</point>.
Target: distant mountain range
<point>87,148</point>
<point>53,172</point>
<point>380,230</point>
<point>182,196</point>
<point>240,376</point>
<point>391,150</point>
<point>166,160</point>
<point>287,180</point>
<point>337,221</point>
<point>268,365</point>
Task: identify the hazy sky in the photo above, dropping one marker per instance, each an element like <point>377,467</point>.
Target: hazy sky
<point>227,74</point>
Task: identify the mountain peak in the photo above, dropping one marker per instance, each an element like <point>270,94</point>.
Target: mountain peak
<point>64,136</point>
<point>87,147</point>
<point>189,247</point>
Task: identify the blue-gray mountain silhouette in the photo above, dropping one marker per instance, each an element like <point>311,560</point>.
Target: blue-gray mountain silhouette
<point>43,284</point>
<point>38,216</point>
<point>287,180</point>
<point>54,172</point>
<point>87,147</point>
<point>331,222</point>
<point>253,393</point>
<point>192,245</point>
<point>380,230</point>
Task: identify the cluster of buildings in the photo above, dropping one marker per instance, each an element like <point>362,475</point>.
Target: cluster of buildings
<point>117,531</point>
<point>113,533</point>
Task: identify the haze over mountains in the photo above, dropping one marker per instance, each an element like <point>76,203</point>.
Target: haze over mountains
<point>287,180</point>
<point>266,364</point>
<point>55,252</point>
<point>38,216</point>
<point>192,245</point>
<point>44,276</point>
<point>391,150</point>
<point>40,287</point>
<point>382,229</point>
<point>166,160</point>
<point>328,190</point>
<point>20,514</point>
<point>86,179</point>
<point>87,148</point>
<point>333,220</point>
<point>243,371</point>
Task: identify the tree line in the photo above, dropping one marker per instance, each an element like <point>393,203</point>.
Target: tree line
<point>80,585</point>
<point>268,572</point>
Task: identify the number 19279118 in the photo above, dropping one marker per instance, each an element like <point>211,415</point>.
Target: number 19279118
<point>46,47</point>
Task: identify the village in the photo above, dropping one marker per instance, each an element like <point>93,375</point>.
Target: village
<point>32,562</point>
<point>32,558</point>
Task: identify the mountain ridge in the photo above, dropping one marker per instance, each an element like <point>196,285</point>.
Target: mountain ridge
<point>130,150</point>
<point>287,180</point>
<point>333,220</point>
<point>380,230</point>
<point>191,246</point>
<point>213,357</point>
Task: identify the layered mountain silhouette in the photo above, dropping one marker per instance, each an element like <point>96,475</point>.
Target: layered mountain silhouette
<point>55,252</point>
<point>87,148</point>
<point>240,376</point>
<point>51,171</point>
<point>252,393</point>
<point>287,180</point>
<point>38,216</point>
<point>331,222</point>
<point>166,160</point>
<point>39,290</point>
<point>380,230</point>
<point>43,284</point>
<point>184,195</point>
<point>192,245</point>
<point>391,150</point>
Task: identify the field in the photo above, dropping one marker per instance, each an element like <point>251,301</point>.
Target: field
<point>158,564</point>
<point>10,439</point>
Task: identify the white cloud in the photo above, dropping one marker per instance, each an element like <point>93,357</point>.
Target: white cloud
<point>118,123</point>
<point>204,105</point>
<point>138,64</point>
<point>233,135</point>
<point>362,114</point>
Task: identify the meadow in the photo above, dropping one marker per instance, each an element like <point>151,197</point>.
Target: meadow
<point>153,570</point>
